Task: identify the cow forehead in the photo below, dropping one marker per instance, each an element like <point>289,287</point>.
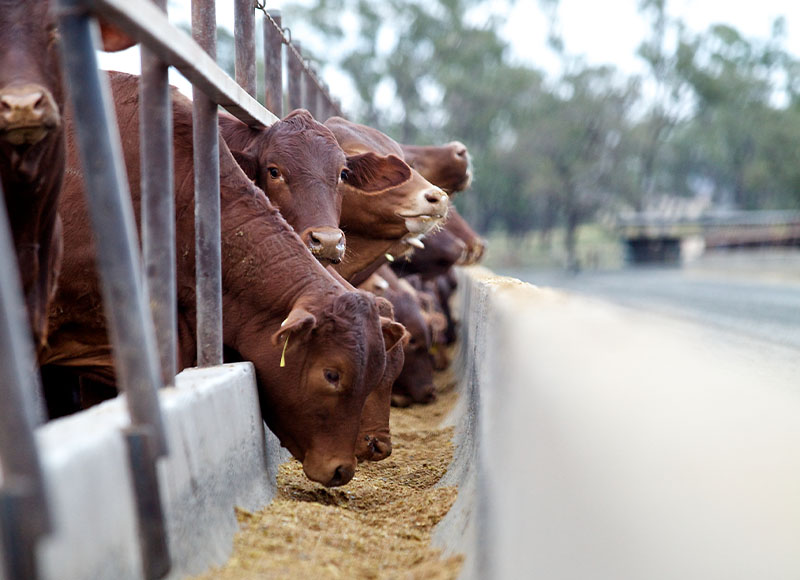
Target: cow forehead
<point>304,148</point>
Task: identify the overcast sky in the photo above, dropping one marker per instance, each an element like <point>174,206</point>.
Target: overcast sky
<point>603,32</point>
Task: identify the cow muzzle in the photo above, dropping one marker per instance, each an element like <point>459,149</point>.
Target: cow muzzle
<point>374,447</point>
<point>27,114</point>
<point>325,243</point>
<point>330,473</point>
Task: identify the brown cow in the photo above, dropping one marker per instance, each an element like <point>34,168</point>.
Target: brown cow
<point>448,166</point>
<point>300,177</point>
<point>442,251</point>
<point>32,148</point>
<point>381,217</point>
<point>415,382</point>
<point>276,298</point>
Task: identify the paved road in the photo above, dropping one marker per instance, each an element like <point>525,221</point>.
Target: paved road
<point>766,310</point>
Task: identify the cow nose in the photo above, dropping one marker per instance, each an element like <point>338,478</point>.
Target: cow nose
<point>380,449</point>
<point>425,395</point>
<point>27,112</point>
<point>341,475</point>
<point>325,243</point>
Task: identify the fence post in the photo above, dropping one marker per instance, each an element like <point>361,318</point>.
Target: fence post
<point>111,212</point>
<point>205,136</point>
<point>24,512</point>
<point>158,205</point>
<point>273,63</point>
<point>244,33</point>
<point>295,66</point>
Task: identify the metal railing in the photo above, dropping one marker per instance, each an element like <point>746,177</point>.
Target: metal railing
<point>144,342</point>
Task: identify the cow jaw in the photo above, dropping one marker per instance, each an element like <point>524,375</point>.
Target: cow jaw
<point>421,224</point>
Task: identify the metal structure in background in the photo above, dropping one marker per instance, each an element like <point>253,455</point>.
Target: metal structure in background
<point>273,62</point>
<point>244,34</point>
<point>138,334</point>
<point>294,90</point>
<point>24,513</point>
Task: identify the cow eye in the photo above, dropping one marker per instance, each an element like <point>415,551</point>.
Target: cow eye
<point>344,175</point>
<point>274,173</point>
<point>332,376</point>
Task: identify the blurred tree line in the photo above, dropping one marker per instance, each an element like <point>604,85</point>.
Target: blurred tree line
<point>717,115</point>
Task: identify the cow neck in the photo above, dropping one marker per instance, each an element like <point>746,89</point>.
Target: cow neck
<point>265,264</point>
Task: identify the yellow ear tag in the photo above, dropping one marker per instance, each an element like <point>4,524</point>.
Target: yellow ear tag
<point>283,354</point>
<point>389,257</point>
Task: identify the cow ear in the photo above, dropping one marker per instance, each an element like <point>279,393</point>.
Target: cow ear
<point>371,172</point>
<point>385,307</point>
<point>248,163</point>
<point>393,332</point>
<point>299,321</point>
<point>114,39</point>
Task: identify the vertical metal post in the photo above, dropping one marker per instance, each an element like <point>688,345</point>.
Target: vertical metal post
<point>310,94</point>
<point>158,206</point>
<point>152,531</point>
<point>206,198</point>
<point>244,32</point>
<point>113,225</point>
<point>24,512</point>
<point>295,67</point>
<point>325,104</point>
<point>273,64</point>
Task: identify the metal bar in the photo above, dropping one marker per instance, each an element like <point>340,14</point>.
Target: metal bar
<point>152,529</point>
<point>208,255</point>
<point>18,543</point>
<point>149,25</point>
<point>310,94</point>
<point>113,225</point>
<point>24,511</point>
<point>273,64</point>
<point>295,67</point>
<point>158,206</point>
<point>244,33</point>
<point>326,105</point>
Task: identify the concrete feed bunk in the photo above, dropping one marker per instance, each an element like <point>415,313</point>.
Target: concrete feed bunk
<point>598,442</point>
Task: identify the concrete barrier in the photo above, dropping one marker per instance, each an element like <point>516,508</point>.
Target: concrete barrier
<point>218,459</point>
<point>597,442</point>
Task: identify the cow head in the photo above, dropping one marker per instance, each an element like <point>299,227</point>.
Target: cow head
<point>448,166</point>
<point>474,243</point>
<point>374,441</point>
<point>415,382</point>
<point>298,164</point>
<point>382,196</point>
<point>30,79</point>
<point>334,353</point>
<point>442,250</point>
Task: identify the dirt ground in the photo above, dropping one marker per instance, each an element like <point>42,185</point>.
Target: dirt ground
<point>378,526</point>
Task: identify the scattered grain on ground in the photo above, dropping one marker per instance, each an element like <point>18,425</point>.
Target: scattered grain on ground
<point>378,526</point>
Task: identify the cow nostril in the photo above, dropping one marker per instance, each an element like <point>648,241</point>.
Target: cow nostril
<point>434,196</point>
<point>314,241</point>
<point>40,103</point>
<point>341,475</point>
